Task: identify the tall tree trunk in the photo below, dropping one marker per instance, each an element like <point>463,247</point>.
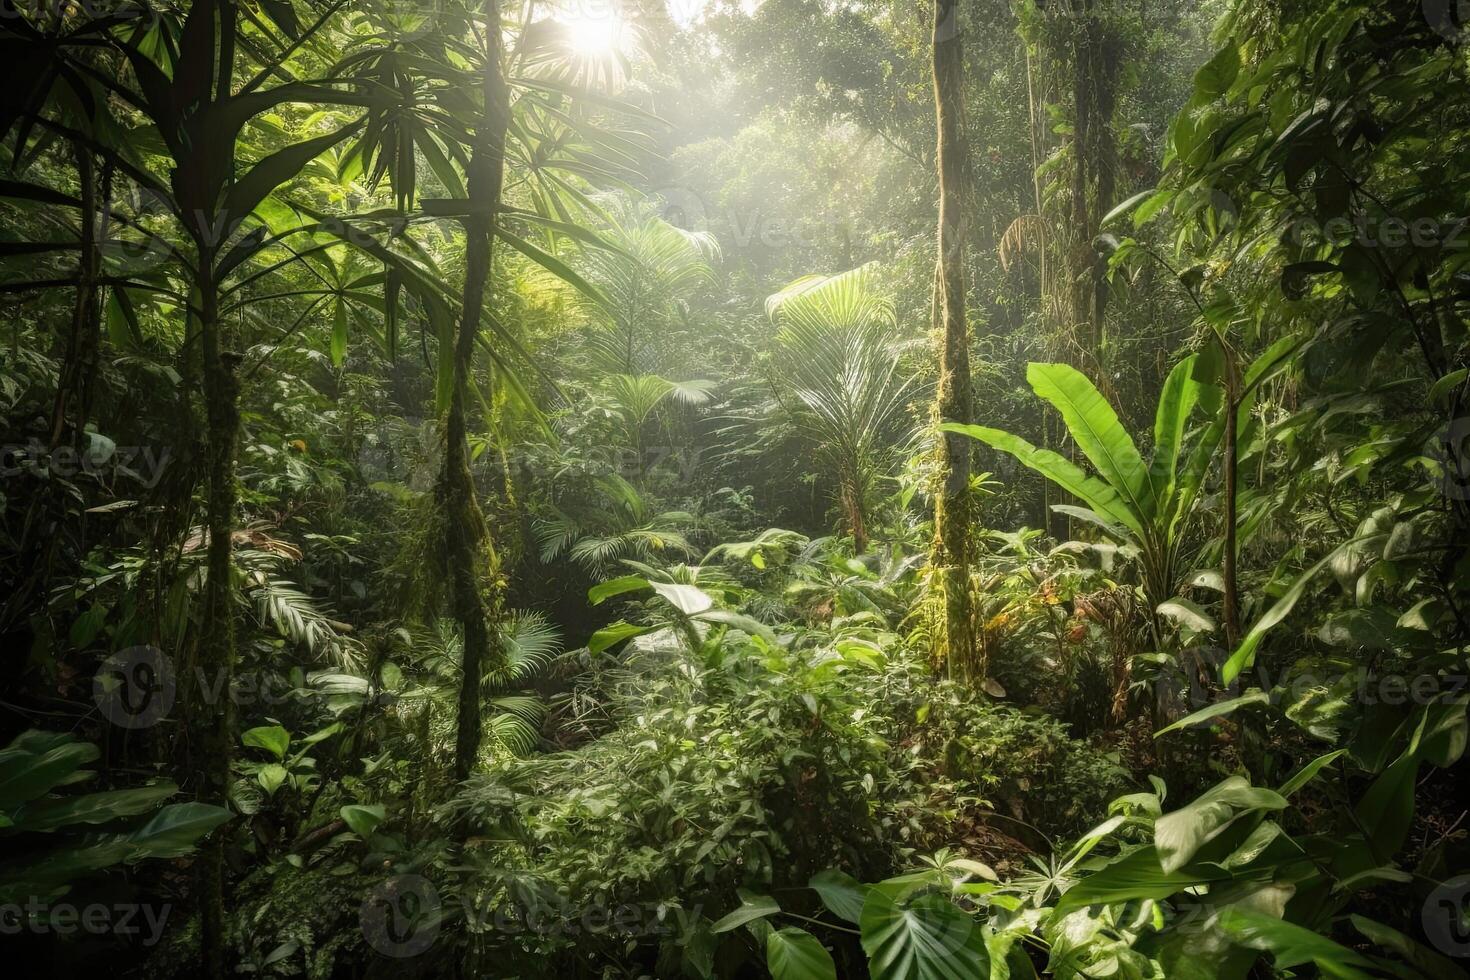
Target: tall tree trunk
<point>952,517</point>
<point>1095,72</point>
<point>468,550</point>
<point>212,723</point>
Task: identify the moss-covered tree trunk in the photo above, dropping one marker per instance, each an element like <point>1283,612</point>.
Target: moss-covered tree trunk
<point>468,551</point>
<point>952,517</point>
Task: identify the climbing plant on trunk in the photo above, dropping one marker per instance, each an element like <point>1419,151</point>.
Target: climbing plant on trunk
<point>952,512</point>
<point>469,553</point>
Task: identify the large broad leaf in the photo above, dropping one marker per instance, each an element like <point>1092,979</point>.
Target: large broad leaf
<point>616,633</point>
<point>1180,834</point>
<point>1088,516</point>
<point>841,893</point>
<point>37,761</point>
<point>1135,875</point>
<point>752,907</point>
<point>921,935</point>
<point>737,621</point>
<point>1098,495</point>
<point>94,808</point>
<point>686,598</point>
<point>271,738</point>
<point>1386,810</point>
<point>795,954</point>
<point>175,829</point>
<point>1176,404</point>
<point>1428,962</point>
<point>1291,945</point>
<point>1095,427</point>
<point>603,591</point>
<point>363,819</point>
<point>1218,74</point>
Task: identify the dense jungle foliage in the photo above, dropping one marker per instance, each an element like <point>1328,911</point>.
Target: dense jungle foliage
<point>929,489</point>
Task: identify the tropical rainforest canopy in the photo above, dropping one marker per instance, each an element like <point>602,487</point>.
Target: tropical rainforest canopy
<point>930,489</point>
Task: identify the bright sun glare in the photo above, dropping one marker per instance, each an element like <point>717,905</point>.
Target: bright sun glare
<point>598,32</point>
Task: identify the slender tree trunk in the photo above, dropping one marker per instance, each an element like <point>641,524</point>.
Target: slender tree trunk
<point>1231,602</point>
<point>468,550</point>
<point>952,517</point>
<point>212,723</point>
<point>857,520</point>
<point>80,364</point>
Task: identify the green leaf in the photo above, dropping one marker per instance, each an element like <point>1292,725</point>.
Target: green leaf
<point>93,808</point>
<point>1253,696</point>
<point>841,893</point>
<point>1219,73</point>
<point>1095,428</point>
<point>1098,495</point>
<point>922,935</point>
<point>173,832</point>
<point>1428,962</point>
<point>616,633</point>
<point>35,762</point>
<point>1386,810</point>
<point>603,591</point>
<point>553,265</point>
<point>363,818</point>
<point>1177,401</point>
<point>737,621</point>
<point>1136,875</point>
<point>1309,772</point>
<point>283,165</point>
<point>271,777</point>
<point>795,954</point>
<point>1245,654</point>
<point>1125,207</point>
<point>752,907</point>
<point>55,870</point>
<point>1178,835</point>
<point>1291,945</point>
<point>272,738</point>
